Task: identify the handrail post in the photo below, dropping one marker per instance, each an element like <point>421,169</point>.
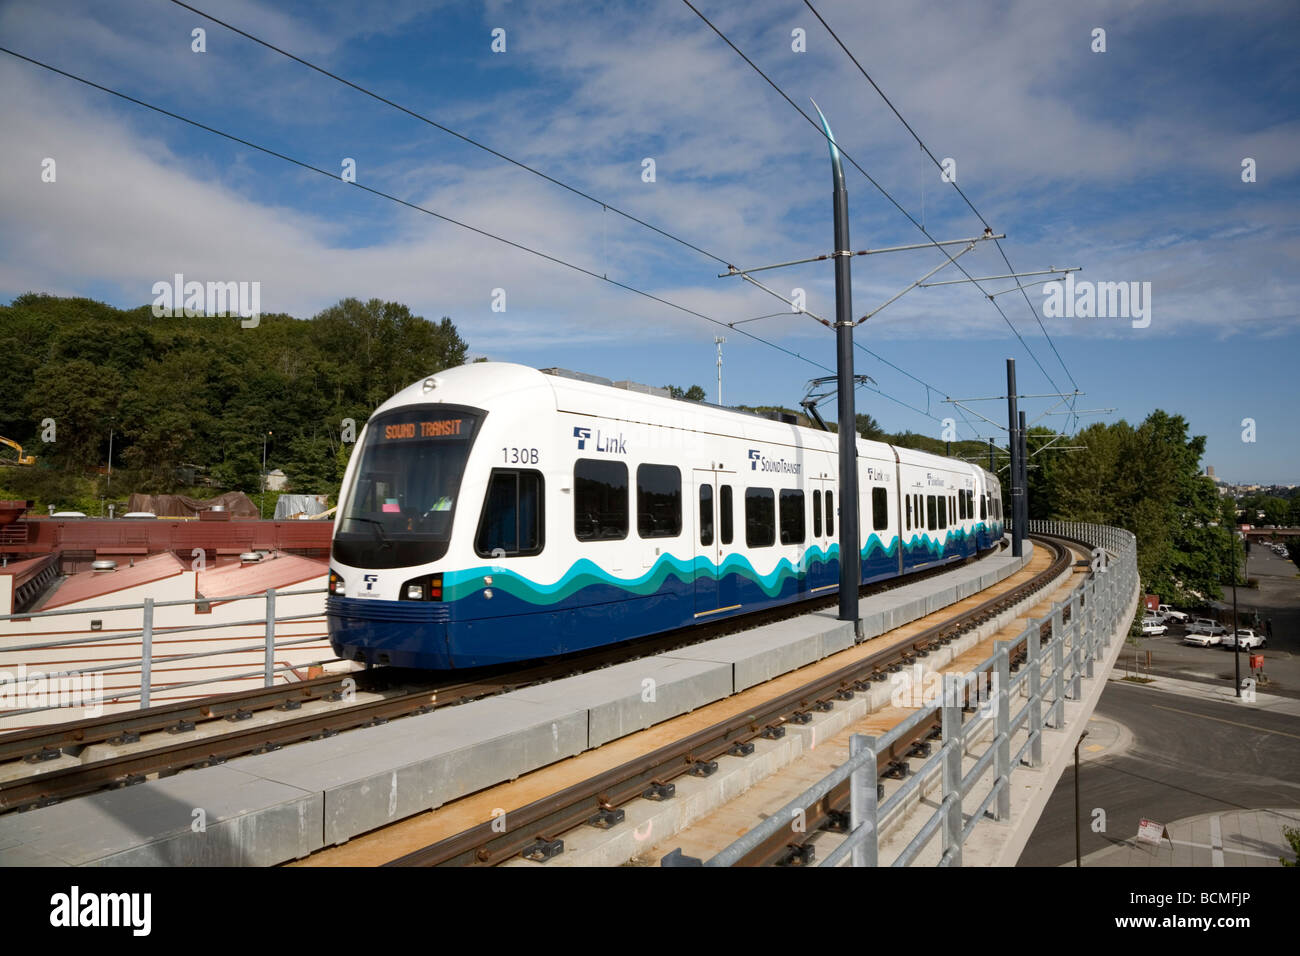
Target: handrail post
<point>950,725</point>
<point>863,805</point>
<point>1058,669</point>
<point>269,676</point>
<point>1003,725</point>
<point>1034,652</point>
<point>146,654</point>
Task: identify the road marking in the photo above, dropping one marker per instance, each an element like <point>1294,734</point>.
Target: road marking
<point>1216,842</point>
<point>1262,730</point>
<point>1202,846</point>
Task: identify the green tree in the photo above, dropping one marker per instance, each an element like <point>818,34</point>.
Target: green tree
<point>81,398</point>
<point>693,394</point>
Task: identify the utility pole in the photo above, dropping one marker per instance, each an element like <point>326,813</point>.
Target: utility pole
<point>719,341</point>
<point>850,559</point>
<point>991,446</point>
<point>1013,423</point>
<point>1024,472</point>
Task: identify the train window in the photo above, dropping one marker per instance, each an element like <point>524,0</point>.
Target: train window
<point>706,514</point>
<point>931,512</point>
<point>599,500</point>
<point>512,519</point>
<point>724,513</point>
<point>984,513</point>
<point>908,516</point>
<point>943,512</point>
<point>879,509</point>
<point>760,517</point>
<point>817,514</point>
<point>830,514</point>
<point>961,504</point>
<point>658,501</point>
<point>792,516</point>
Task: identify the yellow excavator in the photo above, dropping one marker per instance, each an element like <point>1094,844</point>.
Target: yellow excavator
<point>29,460</point>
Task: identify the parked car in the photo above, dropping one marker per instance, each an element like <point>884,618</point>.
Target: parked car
<point>1206,626</point>
<point>1167,614</point>
<point>1153,627</point>
<point>1248,636</point>
<point>1199,639</point>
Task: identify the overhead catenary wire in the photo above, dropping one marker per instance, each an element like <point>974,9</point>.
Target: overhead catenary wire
<point>884,192</point>
<point>410,205</point>
<point>953,182</point>
<point>605,206</point>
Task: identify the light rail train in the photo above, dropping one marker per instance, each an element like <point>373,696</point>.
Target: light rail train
<point>494,513</point>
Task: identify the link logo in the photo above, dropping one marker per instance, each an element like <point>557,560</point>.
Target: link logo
<point>606,443</point>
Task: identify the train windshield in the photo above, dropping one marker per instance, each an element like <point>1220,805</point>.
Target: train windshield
<point>399,510</point>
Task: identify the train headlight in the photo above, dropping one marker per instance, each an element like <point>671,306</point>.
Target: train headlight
<point>336,584</point>
<point>422,589</point>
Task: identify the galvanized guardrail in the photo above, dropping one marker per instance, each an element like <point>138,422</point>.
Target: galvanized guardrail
<point>1053,674</point>
<point>147,659</point>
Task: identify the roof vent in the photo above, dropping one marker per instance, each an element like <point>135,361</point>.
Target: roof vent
<point>103,565</point>
<point>250,557</point>
<point>643,389</point>
<point>577,376</point>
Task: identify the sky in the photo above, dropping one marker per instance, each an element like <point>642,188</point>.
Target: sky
<point>1126,161</point>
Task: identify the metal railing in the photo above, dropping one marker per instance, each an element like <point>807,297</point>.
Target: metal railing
<point>1081,630</point>
<point>147,660</point>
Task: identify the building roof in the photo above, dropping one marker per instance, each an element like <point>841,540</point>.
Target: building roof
<point>86,585</point>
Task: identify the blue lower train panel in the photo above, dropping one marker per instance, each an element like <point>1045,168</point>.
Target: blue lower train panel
<point>515,620</point>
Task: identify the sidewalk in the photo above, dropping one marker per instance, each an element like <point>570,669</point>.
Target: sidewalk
<point>1237,838</point>
<point>1222,693</point>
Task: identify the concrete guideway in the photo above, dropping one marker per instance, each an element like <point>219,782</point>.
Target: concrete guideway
<point>284,805</point>
<point>825,746</point>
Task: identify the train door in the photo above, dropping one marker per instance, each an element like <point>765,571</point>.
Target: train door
<point>823,571</point>
<point>714,540</point>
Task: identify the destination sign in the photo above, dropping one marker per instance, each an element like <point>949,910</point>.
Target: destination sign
<point>438,428</point>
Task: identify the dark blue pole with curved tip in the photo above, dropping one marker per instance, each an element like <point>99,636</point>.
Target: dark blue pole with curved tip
<point>850,559</point>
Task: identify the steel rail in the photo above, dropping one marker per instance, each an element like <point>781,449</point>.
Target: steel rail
<point>534,830</point>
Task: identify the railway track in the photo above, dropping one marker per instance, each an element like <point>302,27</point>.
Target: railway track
<point>534,831</point>
<point>406,693</point>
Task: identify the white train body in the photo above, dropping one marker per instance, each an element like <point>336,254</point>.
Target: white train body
<point>496,513</point>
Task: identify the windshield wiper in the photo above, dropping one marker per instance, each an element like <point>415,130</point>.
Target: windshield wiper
<point>379,531</point>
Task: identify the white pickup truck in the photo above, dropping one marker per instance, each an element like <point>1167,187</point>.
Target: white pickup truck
<point>1249,639</point>
<point>1167,614</point>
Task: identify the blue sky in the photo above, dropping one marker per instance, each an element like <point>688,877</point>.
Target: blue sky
<point>1126,162</point>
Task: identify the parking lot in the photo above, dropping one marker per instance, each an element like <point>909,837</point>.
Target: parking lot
<point>1277,597</point>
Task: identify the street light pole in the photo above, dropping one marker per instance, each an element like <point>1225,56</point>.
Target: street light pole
<point>719,341</point>
<point>1236,639</point>
<point>1078,840</point>
<point>850,559</point>
<point>261,508</point>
